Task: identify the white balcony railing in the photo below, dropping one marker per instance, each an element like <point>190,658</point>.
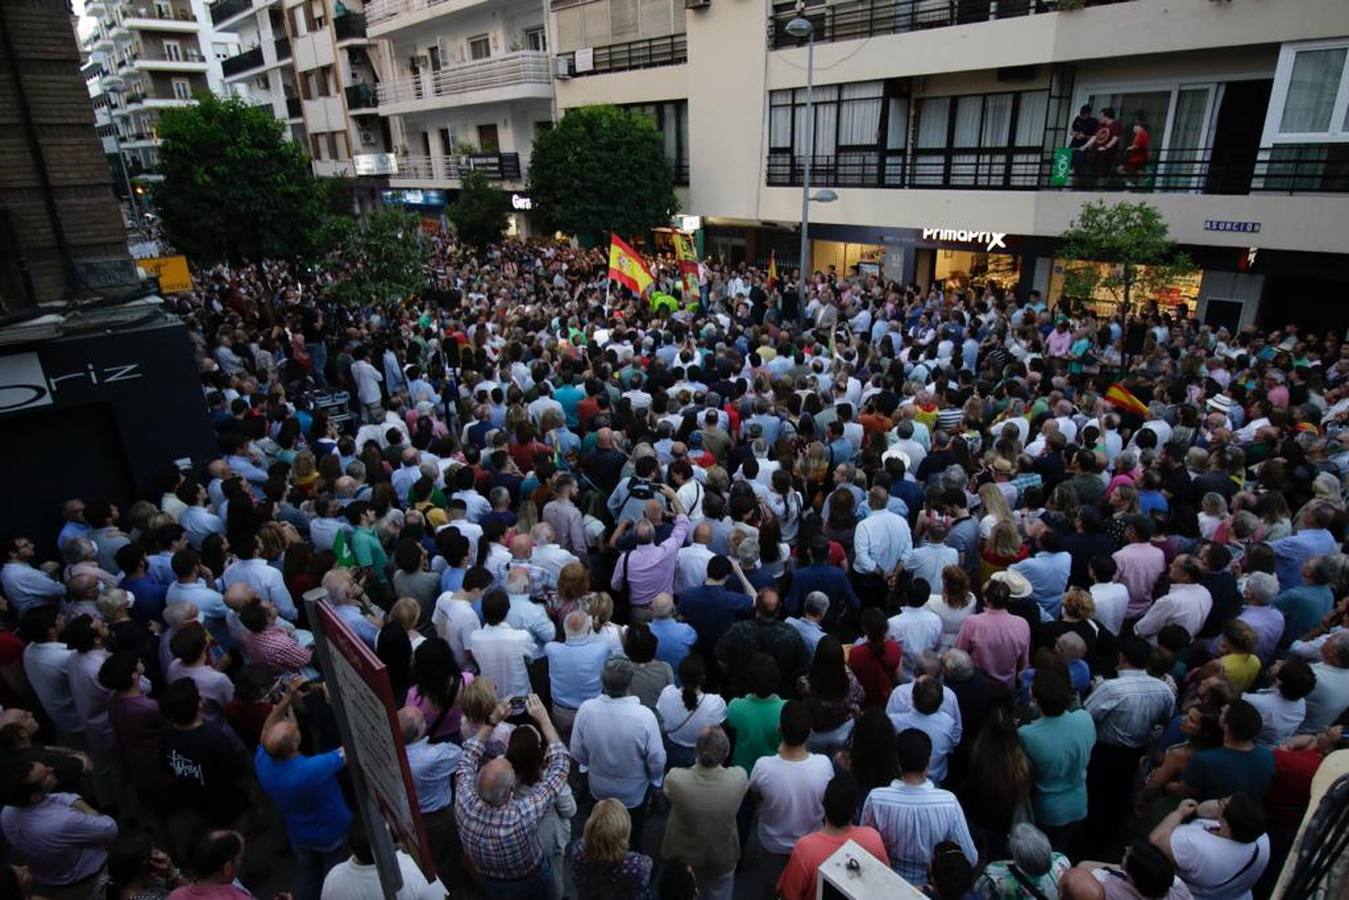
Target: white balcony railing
<point>377,11</point>
<point>523,67</point>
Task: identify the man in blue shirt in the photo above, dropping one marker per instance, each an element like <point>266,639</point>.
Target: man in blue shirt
<point>820,576</point>
<point>1312,539</point>
<point>149,592</point>
<point>570,396</point>
<point>812,617</point>
<point>841,450</point>
<point>574,669</point>
<point>1047,572</point>
<point>675,639</point>
<point>306,791</point>
<point>75,525</point>
<point>712,608</point>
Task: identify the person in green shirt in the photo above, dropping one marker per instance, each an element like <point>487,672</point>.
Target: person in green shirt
<point>365,546</point>
<point>1059,746</point>
<point>754,718</point>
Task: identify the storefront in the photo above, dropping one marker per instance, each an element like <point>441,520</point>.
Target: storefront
<point>957,259</point>
<point>1175,296</point>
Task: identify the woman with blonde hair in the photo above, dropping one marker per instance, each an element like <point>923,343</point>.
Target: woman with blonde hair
<point>1123,505</point>
<point>601,607</point>
<point>995,509</point>
<point>603,868</point>
<point>953,605</point>
<point>477,701</point>
<point>1003,547</point>
<point>573,583</point>
<point>817,473</point>
<point>405,612</point>
<point>304,472</point>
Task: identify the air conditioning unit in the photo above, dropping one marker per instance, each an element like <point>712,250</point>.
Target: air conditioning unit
<point>697,4</point>
<point>367,139</point>
<point>561,68</point>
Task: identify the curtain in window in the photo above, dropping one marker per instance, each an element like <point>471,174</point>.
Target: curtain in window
<point>933,114</point>
<point>780,126</point>
<point>1029,132</point>
<point>1311,90</point>
<point>995,132</point>
<point>968,122</point>
<point>897,128</point>
<point>826,129</point>
<point>860,113</point>
<point>1178,164</point>
<point>669,127</point>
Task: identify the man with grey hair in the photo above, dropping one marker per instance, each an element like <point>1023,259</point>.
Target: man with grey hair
<point>928,664</point>
<point>701,828</point>
<point>1034,869</point>
<point>352,606</point>
<point>547,555</point>
<point>617,742</point>
<point>432,767</point>
<point>674,639</point>
<point>1267,622</point>
<point>574,667</point>
<point>810,623</point>
<point>498,826</point>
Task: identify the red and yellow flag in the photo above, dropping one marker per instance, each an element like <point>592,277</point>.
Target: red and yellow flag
<point>688,266</point>
<point>627,268</point>
<point>772,269</point>
<point>1120,396</point>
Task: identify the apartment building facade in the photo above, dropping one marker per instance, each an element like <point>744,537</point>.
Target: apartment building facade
<point>938,124</point>
<point>312,63</point>
<point>144,56</point>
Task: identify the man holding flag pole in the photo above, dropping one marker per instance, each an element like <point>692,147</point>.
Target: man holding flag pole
<point>627,267</point>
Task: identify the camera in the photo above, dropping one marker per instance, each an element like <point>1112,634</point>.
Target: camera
<point>517,706</point>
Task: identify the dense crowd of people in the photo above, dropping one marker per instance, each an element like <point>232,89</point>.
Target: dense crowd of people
<point>1025,602</point>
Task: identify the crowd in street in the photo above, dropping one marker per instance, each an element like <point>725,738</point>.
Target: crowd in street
<point>1022,600</point>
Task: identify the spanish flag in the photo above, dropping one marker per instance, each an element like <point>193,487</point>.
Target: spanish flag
<point>1120,396</point>
<point>772,269</point>
<point>626,267</point>
<point>688,266</point>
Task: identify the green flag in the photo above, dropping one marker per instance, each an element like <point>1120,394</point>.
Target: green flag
<point>1062,172</point>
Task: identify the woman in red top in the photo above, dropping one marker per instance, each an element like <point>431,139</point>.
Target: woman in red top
<point>1136,154</point>
<point>875,661</point>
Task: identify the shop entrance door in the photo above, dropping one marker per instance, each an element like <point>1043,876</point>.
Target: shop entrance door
<point>1236,137</point>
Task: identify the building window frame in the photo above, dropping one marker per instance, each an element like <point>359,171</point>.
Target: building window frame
<point>479,47</point>
<point>1337,130</point>
<point>536,39</point>
<point>880,163</point>
<point>182,89</point>
<point>678,111</point>
<point>994,163</point>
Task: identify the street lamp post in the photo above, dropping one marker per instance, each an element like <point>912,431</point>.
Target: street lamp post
<point>800,27</point>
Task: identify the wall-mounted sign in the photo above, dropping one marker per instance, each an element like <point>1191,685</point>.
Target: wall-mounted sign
<point>992,240</point>
<point>585,60</point>
<point>375,164</point>
<point>412,197</point>
<point>521,202</point>
<point>690,223</point>
<point>1228,225</point>
<point>25,383</point>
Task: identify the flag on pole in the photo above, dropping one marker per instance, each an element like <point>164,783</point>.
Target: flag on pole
<point>1120,396</point>
<point>772,269</point>
<point>688,267</point>
<point>626,267</point>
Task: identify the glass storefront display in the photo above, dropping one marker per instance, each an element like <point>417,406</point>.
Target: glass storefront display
<point>1107,301</point>
<point>960,269</point>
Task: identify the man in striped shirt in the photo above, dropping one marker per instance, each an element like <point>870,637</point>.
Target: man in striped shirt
<point>912,815</point>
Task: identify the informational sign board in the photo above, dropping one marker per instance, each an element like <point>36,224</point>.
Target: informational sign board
<point>358,683</point>
<point>585,60</point>
<point>171,271</point>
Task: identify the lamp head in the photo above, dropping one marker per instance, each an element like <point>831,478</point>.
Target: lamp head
<point>799,27</point>
<point>824,196</point>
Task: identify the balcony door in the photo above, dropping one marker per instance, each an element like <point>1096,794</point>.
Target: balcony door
<point>487,139</point>
<point>1236,135</point>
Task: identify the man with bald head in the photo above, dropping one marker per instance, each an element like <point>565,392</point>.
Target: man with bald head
<point>498,826</point>
<point>407,474</point>
<point>605,465</point>
<point>306,791</point>
<point>765,633</point>
<point>691,561</point>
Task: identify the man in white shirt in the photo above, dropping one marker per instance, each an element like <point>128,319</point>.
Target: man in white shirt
<point>916,628</point>
<point>617,741</point>
<point>790,786</point>
<point>1187,604</point>
<point>259,575</point>
<point>1110,598</point>
<point>358,879</point>
<point>500,651</point>
<point>368,380</point>
<point>25,586</point>
<point>691,561</point>
<point>1283,708</point>
<point>926,715</point>
<point>912,815</point>
<point>1219,847</point>
<point>546,554</point>
<point>454,618</point>
<point>46,663</point>
<point>525,614</point>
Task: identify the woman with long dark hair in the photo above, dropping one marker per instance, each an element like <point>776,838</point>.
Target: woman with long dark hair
<point>997,789</point>
<point>394,649</point>
<point>870,754</point>
<point>436,685</point>
<point>833,695</point>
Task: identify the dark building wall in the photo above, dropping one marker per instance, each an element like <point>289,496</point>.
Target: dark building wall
<point>45,53</point>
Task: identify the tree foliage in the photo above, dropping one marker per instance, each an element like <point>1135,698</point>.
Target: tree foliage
<point>379,257</point>
<point>234,187</point>
<point>600,170</point>
<point>1133,239</point>
<point>479,215</point>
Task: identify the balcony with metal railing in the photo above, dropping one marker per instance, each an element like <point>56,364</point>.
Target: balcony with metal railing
<point>1285,168</point>
<point>670,50</point>
<point>361,97</point>
<point>242,62</point>
<point>856,19</point>
<point>521,75</point>
<point>496,166</point>
<point>383,14</point>
<point>228,9</point>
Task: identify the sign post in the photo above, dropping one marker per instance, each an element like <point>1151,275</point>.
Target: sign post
<point>362,700</point>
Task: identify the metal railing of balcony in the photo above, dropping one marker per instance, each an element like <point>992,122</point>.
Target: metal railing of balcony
<point>225,9</point>
<point>1292,168</point>
<point>681,172</point>
<point>361,96</point>
<point>670,50</point>
<point>242,62</point>
<point>282,45</point>
<point>294,107</point>
<point>868,18</point>
<point>522,67</point>
<point>377,11</point>
<point>496,166</point>
<point>349,26</point>
<point>173,14</point>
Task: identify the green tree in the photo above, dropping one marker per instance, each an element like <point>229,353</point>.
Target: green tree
<point>1133,239</point>
<point>600,170</point>
<point>379,257</point>
<point>234,187</point>
<point>479,215</point>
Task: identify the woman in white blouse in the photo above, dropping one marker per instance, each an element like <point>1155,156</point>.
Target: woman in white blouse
<point>685,712</point>
<point>953,605</point>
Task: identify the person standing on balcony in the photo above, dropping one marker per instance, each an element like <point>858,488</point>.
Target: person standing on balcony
<point>1103,148</point>
<point>1079,133</point>
<point>1136,154</point>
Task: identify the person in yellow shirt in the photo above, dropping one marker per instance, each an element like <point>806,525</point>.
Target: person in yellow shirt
<point>1236,660</point>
